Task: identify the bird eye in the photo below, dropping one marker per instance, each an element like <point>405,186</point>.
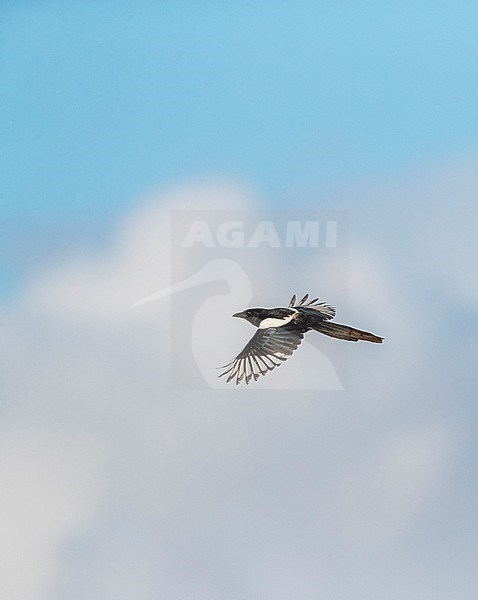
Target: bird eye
<point>249,313</point>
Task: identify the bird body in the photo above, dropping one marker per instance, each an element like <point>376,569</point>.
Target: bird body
<point>280,331</point>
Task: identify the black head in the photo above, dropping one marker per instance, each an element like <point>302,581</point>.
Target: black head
<point>253,315</point>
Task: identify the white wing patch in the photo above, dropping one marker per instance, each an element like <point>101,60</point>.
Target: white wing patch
<point>272,322</point>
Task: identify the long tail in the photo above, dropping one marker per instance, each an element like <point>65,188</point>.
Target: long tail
<point>344,332</point>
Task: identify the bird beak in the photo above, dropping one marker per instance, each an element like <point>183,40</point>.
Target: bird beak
<point>238,315</point>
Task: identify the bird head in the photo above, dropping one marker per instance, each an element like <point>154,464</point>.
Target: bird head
<point>253,315</point>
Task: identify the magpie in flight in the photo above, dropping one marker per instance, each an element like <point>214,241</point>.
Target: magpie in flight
<point>280,331</point>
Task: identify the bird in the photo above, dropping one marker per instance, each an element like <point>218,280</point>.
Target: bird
<point>280,332</point>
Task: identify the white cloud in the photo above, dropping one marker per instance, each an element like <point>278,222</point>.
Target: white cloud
<point>200,494</point>
<point>49,488</point>
<point>106,286</point>
<point>390,486</point>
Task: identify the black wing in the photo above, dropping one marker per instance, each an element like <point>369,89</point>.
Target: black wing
<point>265,351</point>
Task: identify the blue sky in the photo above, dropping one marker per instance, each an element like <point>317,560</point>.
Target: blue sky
<point>103,101</point>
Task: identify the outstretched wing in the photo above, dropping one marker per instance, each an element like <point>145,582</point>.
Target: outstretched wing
<point>265,351</point>
<point>325,310</point>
